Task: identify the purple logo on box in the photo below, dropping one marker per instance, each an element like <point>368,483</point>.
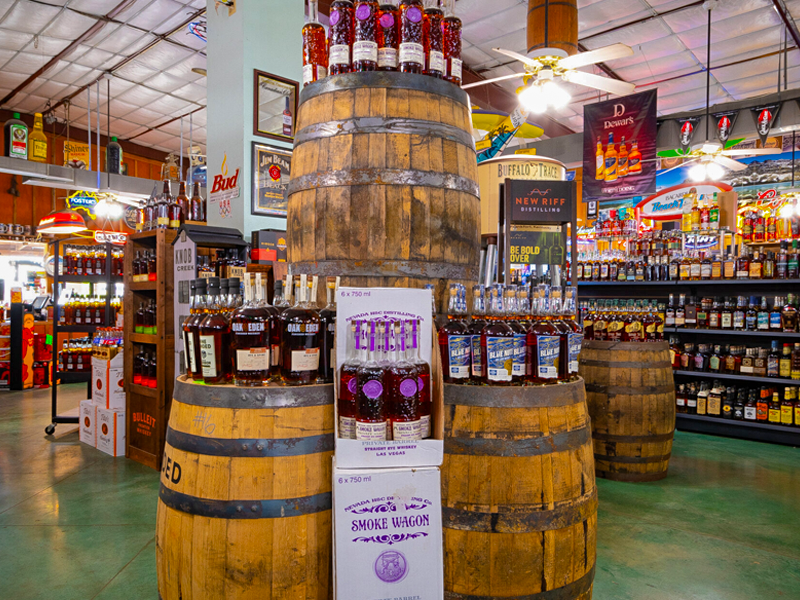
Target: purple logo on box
<point>391,566</point>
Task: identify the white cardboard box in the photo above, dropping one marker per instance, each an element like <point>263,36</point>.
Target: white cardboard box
<point>108,381</point>
<point>111,431</point>
<point>88,429</point>
<point>378,303</point>
<point>388,534</point>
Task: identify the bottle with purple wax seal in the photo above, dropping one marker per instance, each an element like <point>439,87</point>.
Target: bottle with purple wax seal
<point>340,37</point>
<point>372,423</point>
<point>403,390</point>
<point>388,33</point>
<point>346,405</point>
<point>412,51</point>
<point>365,44</point>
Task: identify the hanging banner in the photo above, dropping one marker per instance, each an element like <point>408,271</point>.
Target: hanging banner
<point>688,125</point>
<point>765,116</point>
<point>724,123</point>
<point>619,147</point>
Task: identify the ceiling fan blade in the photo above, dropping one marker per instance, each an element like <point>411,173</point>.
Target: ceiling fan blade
<point>520,57</point>
<point>751,151</point>
<point>683,164</point>
<point>595,56</point>
<point>492,80</point>
<point>613,86</point>
<point>729,163</point>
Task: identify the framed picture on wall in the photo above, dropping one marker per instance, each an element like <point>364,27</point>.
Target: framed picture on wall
<point>271,167</point>
<point>275,106</point>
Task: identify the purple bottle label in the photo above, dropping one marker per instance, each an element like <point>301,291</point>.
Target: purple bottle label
<point>408,387</point>
<point>372,389</point>
<point>387,20</point>
<point>363,12</point>
<point>335,16</point>
<point>414,14</point>
<point>391,566</point>
<point>351,386</point>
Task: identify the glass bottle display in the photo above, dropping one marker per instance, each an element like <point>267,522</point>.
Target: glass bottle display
<point>451,43</point>
<point>315,47</point>
<point>454,341</point>
<point>197,205</point>
<point>215,338</point>
<point>365,40</point>
<point>250,330</point>
<point>327,318</point>
<point>543,341</point>
<point>432,41</point>
<point>423,379</point>
<point>300,339</point>
<point>412,50</point>
<point>346,405</point>
<point>191,331</point>
<point>476,325</point>
<point>388,37</point>
<point>497,342</point>
<point>163,207</point>
<point>403,390</point>
<point>340,37</point>
<point>372,419</point>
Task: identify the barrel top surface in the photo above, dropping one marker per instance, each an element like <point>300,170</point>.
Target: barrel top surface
<point>269,396</point>
<point>635,346</point>
<point>528,396</point>
<point>384,79</point>
<point>521,158</point>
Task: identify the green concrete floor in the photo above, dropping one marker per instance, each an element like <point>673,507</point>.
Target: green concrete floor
<point>725,525</point>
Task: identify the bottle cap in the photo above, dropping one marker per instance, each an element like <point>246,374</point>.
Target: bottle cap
<point>113,139</point>
<point>233,283</point>
<point>213,282</point>
<point>16,115</point>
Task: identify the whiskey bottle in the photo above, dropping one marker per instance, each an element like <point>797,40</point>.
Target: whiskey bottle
<point>543,341</point>
<point>150,216</point>
<point>774,411</point>
<point>789,315</point>
<point>372,419</point>
<point>412,51</point>
<point>162,208</point>
<point>773,360</point>
<point>340,37</point>
<point>454,342</point>
<point>250,328</point>
<point>787,407</point>
<point>327,322</point>
<point>474,329</point>
<point>183,202</point>
<point>751,408</point>
<point>346,405</point>
<point>762,316</point>
<point>432,41</point>
<point>423,379</point>
<point>274,332</point>
<point>315,47</point>
<point>300,339</point>
<point>403,391</point>
<point>215,338</point>
<point>519,360</point>
<point>197,204</point>
<point>191,332</point>
<point>388,35</point>
<point>575,337</point>
<point>451,44</point>
<point>365,44</point>
<point>497,343</point>
<point>680,399</point>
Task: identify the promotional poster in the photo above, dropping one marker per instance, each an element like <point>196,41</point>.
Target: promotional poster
<point>619,147</point>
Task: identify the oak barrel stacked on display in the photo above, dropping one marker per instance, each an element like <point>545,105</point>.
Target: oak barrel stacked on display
<point>553,24</point>
<point>519,500</point>
<point>383,188</point>
<point>631,396</point>
<point>244,506</point>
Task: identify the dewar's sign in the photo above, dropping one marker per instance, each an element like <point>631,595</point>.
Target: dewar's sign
<point>668,204</point>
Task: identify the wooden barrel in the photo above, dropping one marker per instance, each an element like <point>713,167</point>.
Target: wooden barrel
<point>244,507</point>
<point>631,396</point>
<point>519,500</point>
<point>383,188</point>
<point>553,24</point>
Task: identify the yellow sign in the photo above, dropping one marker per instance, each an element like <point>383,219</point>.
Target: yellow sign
<point>76,155</point>
<point>528,151</point>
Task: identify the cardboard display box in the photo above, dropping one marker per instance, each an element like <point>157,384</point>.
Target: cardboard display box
<point>88,428</point>
<point>387,534</point>
<point>111,431</point>
<point>108,381</point>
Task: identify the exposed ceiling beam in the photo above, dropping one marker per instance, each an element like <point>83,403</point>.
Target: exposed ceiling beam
<point>787,19</point>
<point>86,35</point>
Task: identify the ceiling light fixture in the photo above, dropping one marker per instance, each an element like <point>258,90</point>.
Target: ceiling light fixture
<point>62,222</point>
<point>544,93</point>
<point>706,171</point>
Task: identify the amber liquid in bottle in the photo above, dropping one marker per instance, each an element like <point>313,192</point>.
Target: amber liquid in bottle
<point>300,341</point>
<point>543,341</point>
<point>250,341</point>
<point>183,202</point>
<point>412,50</point>
<point>497,344</point>
<point>423,379</point>
<point>403,392</point>
<point>365,44</point>
<point>387,36</point>
<point>327,319</point>
<point>347,383</point>
<point>162,208</point>
<point>191,332</point>
<point>340,37</point>
<point>197,205</point>
<point>215,339</point>
<point>372,418</point>
<point>454,343</point>
<point>315,47</point>
<point>433,43</point>
<point>451,44</point>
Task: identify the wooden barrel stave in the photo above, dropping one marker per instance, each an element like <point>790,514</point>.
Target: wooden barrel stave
<point>384,182</point>
<point>519,518</point>
<point>553,24</point>
<point>248,513</point>
<point>631,397</point>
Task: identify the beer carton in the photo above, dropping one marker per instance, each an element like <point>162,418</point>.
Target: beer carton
<point>111,431</point>
<point>88,429</point>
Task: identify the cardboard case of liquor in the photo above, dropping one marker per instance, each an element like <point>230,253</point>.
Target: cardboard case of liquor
<point>108,381</point>
<point>88,429</point>
<point>387,304</point>
<point>111,431</point>
<point>387,534</point>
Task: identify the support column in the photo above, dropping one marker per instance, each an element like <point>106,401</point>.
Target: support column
<point>263,35</point>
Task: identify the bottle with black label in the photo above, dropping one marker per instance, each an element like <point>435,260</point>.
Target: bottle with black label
<point>738,405</point>
<point>327,320</point>
<point>751,407</point>
<point>300,339</point>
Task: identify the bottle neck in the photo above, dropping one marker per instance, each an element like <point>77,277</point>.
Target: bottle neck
<point>313,11</point>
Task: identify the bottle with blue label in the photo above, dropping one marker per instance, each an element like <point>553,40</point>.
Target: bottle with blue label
<point>512,317</point>
<point>474,328</point>
<point>455,343</point>
<point>497,343</point>
<point>544,343</point>
<point>557,319</point>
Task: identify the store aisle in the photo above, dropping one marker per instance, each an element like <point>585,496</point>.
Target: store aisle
<point>77,524</point>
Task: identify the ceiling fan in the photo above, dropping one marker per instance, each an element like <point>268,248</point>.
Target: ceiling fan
<point>544,66</point>
<point>712,158</point>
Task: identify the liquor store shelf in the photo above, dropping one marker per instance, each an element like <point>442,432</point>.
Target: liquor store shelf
<point>769,334</point>
<point>743,379</point>
<point>746,430</point>
<point>135,388</point>
<point>703,282</point>
<point>144,338</point>
<point>89,279</point>
<point>143,286</point>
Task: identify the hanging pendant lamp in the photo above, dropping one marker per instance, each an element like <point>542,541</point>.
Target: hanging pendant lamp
<point>62,222</point>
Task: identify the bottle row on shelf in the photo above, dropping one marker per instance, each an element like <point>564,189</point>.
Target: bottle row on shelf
<point>90,260</point>
<point>144,266</point>
<point>737,359</point>
<point>144,320</point>
<point>620,320</point>
<point>165,211</point>
<point>514,342</point>
<point>740,403</point>
<point>145,370</point>
<point>733,313</point>
<point>88,310</point>
<point>615,266</point>
<point>107,342</point>
<point>367,36</point>
<point>76,354</point>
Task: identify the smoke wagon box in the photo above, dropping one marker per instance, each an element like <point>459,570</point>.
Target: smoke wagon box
<point>387,534</point>
<point>366,304</point>
<point>88,430</point>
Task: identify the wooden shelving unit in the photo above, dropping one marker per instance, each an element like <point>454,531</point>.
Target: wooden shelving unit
<point>148,408</point>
